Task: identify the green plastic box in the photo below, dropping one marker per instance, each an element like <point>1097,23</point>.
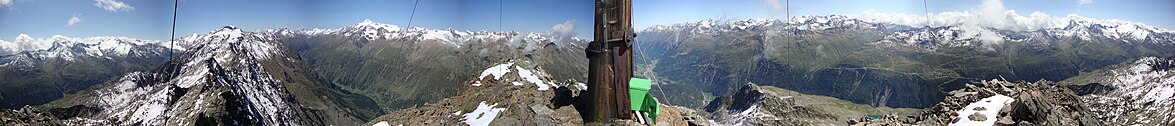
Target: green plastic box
<point>641,100</point>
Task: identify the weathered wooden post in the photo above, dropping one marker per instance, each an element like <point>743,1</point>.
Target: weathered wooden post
<point>610,65</point>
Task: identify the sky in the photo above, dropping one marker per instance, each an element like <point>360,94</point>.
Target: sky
<point>43,19</point>
<point>1158,13</point>
<point>151,19</point>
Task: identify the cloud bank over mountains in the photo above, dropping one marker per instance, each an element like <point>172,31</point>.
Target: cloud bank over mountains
<point>991,14</point>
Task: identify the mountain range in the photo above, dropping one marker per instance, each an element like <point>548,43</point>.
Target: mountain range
<point>67,65</point>
<point>358,73</point>
<point>878,63</point>
<point>306,75</point>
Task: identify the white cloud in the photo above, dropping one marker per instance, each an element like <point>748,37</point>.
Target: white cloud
<point>113,5</point>
<point>989,14</point>
<point>5,3</point>
<point>1083,2</point>
<point>992,13</point>
<point>74,20</point>
<point>7,48</point>
<point>24,38</point>
<point>564,31</point>
<point>26,42</point>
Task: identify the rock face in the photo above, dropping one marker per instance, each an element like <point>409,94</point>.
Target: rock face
<point>771,106</point>
<point>27,116</point>
<point>1132,93</point>
<point>1028,103</point>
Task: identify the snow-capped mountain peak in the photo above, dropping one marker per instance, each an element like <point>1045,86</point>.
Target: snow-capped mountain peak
<point>367,23</point>
<point>1113,28</point>
<point>961,34</point>
<point>230,41</point>
<point>70,48</point>
<point>371,30</point>
<point>797,24</point>
<point>225,73</point>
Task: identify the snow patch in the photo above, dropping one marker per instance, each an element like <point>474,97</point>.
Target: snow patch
<point>991,107</point>
<point>753,112</point>
<point>498,71</point>
<point>382,123</point>
<point>581,86</point>
<point>530,77</point>
<point>482,115</point>
<point>1159,94</point>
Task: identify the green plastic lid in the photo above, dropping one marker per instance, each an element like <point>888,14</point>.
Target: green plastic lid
<point>640,84</point>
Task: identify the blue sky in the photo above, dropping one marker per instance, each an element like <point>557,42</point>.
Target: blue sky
<point>650,12</point>
<point>42,19</point>
<point>151,19</point>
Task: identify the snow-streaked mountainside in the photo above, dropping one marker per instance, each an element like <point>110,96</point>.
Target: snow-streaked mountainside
<point>41,70</point>
<point>954,35</point>
<point>228,77</point>
<point>1141,92</point>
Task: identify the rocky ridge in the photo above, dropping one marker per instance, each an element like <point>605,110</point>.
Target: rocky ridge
<point>230,77</point>
<point>999,102</point>
<point>1132,93</point>
<point>765,105</point>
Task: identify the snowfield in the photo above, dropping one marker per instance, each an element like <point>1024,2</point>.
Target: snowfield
<point>989,108</point>
<point>500,70</point>
<point>483,115</point>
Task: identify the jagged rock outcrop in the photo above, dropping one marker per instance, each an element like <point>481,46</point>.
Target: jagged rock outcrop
<point>1133,93</point>
<point>999,102</point>
<point>27,116</point>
